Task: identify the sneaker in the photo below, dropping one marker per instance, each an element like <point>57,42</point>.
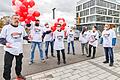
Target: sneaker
<point>20,77</point>
<point>43,61</point>
<point>64,62</point>
<point>73,53</point>
<point>92,57</point>
<point>31,62</point>
<point>88,56</point>
<point>111,64</point>
<point>47,57</point>
<point>106,62</point>
<point>58,62</point>
<point>52,55</point>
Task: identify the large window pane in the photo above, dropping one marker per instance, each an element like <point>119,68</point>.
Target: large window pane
<point>118,7</point>
<point>90,19</point>
<point>100,18</point>
<point>109,19</point>
<point>92,10</point>
<point>89,4</point>
<point>113,13</point>
<point>116,20</point>
<point>82,20</point>
<point>101,11</point>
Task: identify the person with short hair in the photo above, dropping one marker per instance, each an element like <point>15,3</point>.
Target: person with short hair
<point>93,41</point>
<point>36,36</point>
<point>108,40</point>
<point>12,36</point>
<point>58,35</point>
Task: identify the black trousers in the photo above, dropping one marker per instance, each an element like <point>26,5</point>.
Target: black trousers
<point>8,58</point>
<point>94,50</point>
<point>63,54</point>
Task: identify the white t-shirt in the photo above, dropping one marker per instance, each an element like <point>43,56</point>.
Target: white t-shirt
<point>70,36</point>
<point>14,35</point>
<point>36,34</point>
<point>107,36</point>
<point>48,37</point>
<point>59,40</point>
<point>84,38</point>
<point>93,38</point>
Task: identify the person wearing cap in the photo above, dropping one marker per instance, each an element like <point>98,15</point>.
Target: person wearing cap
<point>84,36</point>
<point>48,39</point>
<point>70,40</point>
<point>58,36</point>
<point>93,41</point>
<point>36,36</point>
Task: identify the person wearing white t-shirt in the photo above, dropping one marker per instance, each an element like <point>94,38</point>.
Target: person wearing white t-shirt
<point>84,36</point>
<point>12,36</point>
<point>58,36</point>
<point>70,39</point>
<point>48,39</point>
<point>36,35</point>
<point>108,40</point>
<point>93,41</point>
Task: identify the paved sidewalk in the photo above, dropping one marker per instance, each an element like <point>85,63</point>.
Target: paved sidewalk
<point>92,69</point>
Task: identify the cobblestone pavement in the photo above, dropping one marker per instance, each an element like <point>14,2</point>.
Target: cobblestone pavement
<point>92,69</point>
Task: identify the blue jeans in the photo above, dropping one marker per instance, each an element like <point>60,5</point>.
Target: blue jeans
<point>72,42</point>
<point>33,46</point>
<point>109,54</point>
<point>47,46</point>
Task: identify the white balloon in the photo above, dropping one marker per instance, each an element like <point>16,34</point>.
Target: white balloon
<point>15,8</point>
<point>18,3</point>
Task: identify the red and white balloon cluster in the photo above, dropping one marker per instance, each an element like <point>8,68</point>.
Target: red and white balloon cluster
<point>60,21</point>
<point>24,8</point>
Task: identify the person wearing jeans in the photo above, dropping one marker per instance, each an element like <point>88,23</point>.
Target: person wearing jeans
<point>70,40</point>
<point>84,35</point>
<point>33,46</point>
<point>108,40</point>
<point>48,39</point>
<point>93,41</point>
<point>36,36</point>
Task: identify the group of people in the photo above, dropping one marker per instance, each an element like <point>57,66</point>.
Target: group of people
<point>12,37</point>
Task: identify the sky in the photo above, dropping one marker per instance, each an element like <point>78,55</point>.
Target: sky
<point>64,8</point>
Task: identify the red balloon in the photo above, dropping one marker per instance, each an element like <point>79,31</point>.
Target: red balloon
<point>36,14</point>
<point>22,19</point>
<point>21,0</point>
<point>23,8</point>
<point>53,28</point>
<point>56,24</point>
<point>31,3</point>
<point>25,3</point>
<point>27,21</point>
<point>33,18</point>
<point>13,2</point>
<point>19,13</point>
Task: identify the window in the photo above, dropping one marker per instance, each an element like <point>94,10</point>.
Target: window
<point>116,20</point>
<point>82,20</point>
<point>90,19</point>
<point>84,13</point>
<point>92,10</point>
<point>109,19</point>
<point>101,11</point>
<point>100,18</point>
<point>77,14</point>
<point>89,4</point>
<point>113,13</point>
<point>118,7</point>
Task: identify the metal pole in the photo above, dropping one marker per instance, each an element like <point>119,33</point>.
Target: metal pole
<point>53,13</point>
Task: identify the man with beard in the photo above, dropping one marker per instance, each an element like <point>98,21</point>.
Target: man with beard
<point>12,36</point>
<point>36,36</point>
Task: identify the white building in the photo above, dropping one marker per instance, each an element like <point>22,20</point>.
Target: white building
<point>97,12</point>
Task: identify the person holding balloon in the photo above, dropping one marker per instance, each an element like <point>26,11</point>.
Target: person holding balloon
<point>58,36</point>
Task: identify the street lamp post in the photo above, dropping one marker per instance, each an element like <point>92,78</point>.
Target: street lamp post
<point>53,13</point>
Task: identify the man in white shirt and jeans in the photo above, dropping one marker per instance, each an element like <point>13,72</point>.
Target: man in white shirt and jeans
<point>36,36</point>
<point>48,40</point>
<point>12,36</point>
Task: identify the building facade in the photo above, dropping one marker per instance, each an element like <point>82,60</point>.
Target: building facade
<point>97,13</point>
